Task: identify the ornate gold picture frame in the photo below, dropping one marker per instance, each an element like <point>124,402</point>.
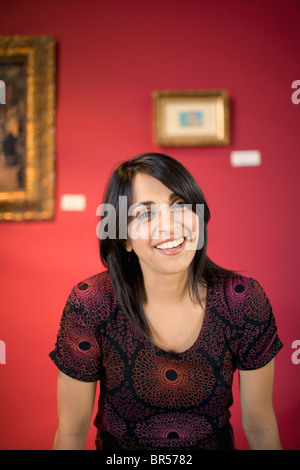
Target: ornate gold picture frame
<point>191,118</point>
<point>27,128</point>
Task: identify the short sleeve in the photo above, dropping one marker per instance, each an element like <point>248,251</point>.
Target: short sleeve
<point>260,341</point>
<point>77,350</point>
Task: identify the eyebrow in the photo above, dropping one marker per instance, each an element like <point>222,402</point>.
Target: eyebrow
<point>148,203</point>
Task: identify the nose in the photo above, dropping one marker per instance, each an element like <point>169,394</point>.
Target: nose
<point>166,224</point>
<point>166,221</point>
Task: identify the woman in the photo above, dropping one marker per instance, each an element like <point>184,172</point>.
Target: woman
<point>163,328</point>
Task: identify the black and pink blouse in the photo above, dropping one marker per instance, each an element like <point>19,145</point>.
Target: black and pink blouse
<point>154,400</point>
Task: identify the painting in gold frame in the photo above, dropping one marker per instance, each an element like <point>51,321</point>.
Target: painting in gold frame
<point>191,118</point>
<point>27,128</point>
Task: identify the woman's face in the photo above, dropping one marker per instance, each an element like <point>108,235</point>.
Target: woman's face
<point>163,231</point>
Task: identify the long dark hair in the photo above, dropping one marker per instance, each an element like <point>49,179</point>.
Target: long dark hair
<point>124,267</point>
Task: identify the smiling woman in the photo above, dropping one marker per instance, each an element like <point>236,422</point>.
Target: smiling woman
<point>145,180</point>
<point>172,222</point>
<point>163,328</point>
<point>167,241</point>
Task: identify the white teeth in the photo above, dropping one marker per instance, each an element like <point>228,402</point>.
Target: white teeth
<point>169,245</point>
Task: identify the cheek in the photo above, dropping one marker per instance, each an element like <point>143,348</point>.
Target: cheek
<point>189,221</point>
<point>195,224</point>
<point>139,231</point>
<point>192,233</point>
<point>140,248</point>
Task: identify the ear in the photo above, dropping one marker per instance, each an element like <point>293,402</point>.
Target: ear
<point>128,246</point>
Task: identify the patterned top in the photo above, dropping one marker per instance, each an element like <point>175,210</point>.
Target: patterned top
<point>154,400</point>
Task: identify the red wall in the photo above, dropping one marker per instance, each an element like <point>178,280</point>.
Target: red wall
<point>111,55</point>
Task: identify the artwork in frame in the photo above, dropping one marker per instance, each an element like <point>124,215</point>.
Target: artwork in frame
<point>191,118</point>
<point>27,127</point>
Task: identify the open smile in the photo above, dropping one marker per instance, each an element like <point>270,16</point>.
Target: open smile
<point>171,246</point>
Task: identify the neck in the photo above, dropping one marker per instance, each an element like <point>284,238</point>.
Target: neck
<point>166,288</point>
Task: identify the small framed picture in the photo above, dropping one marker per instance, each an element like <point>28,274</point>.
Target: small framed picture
<point>191,118</point>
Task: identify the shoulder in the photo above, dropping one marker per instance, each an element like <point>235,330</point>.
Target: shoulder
<point>95,293</point>
<point>99,283</point>
<point>242,295</point>
<point>237,287</point>
<point>247,290</point>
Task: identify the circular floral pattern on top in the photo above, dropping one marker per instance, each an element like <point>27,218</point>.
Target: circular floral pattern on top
<point>172,383</point>
<point>88,295</point>
<point>172,430</point>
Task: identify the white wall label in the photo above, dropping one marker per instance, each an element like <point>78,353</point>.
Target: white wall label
<point>245,158</point>
<point>73,202</point>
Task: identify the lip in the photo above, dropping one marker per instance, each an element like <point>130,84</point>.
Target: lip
<point>171,251</point>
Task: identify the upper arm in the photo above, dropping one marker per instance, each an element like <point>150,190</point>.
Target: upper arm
<point>75,402</point>
<point>256,391</point>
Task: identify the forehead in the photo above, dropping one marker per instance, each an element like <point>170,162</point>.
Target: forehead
<point>148,188</point>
